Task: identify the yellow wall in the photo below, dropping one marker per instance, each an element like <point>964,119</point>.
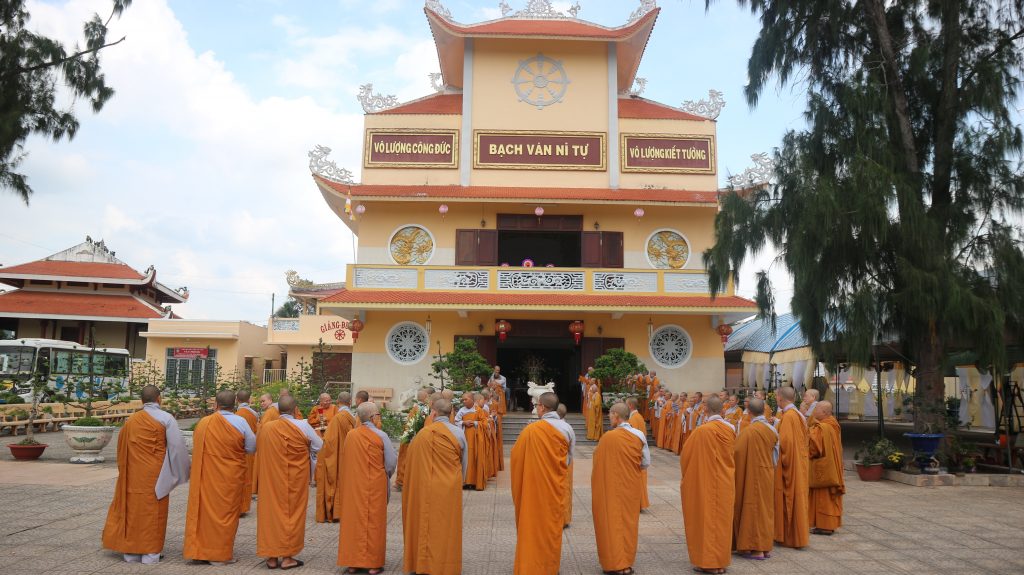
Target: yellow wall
<point>233,340</point>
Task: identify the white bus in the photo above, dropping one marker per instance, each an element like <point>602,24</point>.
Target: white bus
<point>65,364</point>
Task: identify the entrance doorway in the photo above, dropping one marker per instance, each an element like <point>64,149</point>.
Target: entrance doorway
<point>557,360</point>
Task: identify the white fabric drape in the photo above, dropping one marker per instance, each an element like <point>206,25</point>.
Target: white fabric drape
<point>988,411</point>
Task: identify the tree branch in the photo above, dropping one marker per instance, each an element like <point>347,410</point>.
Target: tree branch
<point>999,47</point>
<point>66,58</point>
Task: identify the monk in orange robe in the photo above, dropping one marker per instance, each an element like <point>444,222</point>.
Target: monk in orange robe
<point>681,428</point>
<point>432,499</point>
<point>322,414</point>
<point>285,392</point>
<point>732,412</point>
<point>667,409</point>
<point>826,481</point>
<point>636,421</point>
<point>497,404</point>
<point>708,489</point>
<point>596,409</point>
<point>655,411</point>
<point>757,454</point>
<point>567,496</point>
<point>329,462</point>
<point>365,491</point>
<point>252,418</point>
<point>791,476</point>
<point>417,411</point>
<point>616,483</point>
<point>487,434</point>
<point>746,417</point>
<point>286,446</point>
<point>472,422</point>
<point>540,461</point>
<point>151,461</point>
<point>220,444</point>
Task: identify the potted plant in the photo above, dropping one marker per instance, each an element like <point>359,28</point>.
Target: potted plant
<point>29,448</point>
<point>616,368</point>
<point>88,435</point>
<point>872,457</point>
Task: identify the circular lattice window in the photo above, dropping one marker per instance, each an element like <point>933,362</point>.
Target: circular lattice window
<point>407,343</point>
<point>540,81</point>
<point>668,250</point>
<point>671,346</point>
<point>411,246</point>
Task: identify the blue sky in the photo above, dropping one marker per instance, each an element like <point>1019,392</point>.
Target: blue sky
<point>198,164</point>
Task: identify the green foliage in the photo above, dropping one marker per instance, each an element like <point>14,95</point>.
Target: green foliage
<point>893,209</point>
<point>458,368</point>
<point>877,451</point>
<point>392,422</point>
<point>617,365</point>
<point>13,398</point>
<point>17,414</point>
<point>89,422</point>
<point>32,67</point>
<point>28,441</point>
<point>289,308</point>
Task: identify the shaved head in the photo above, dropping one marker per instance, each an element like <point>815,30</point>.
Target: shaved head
<point>442,407</point>
<point>150,394</point>
<point>823,409</point>
<point>756,406</point>
<point>345,398</point>
<point>620,409</point>
<point>422,394</point>
<point>286,404</point>
<point>812,394</point>
<point>243,396</point>
<point>714,405</point>
<point>786,393</point>
<point>549,400</point>
<point>562,410</point>
<point>362,396</point>
<point>631,403</point>
<point>447,394</point>
<point>226,400</point>
<point>367,410</point>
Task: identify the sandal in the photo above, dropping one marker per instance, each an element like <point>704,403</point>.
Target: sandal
<point>274,566</point>
<point>824,532</point>
<point>375,571</point>
<point>298,563</point>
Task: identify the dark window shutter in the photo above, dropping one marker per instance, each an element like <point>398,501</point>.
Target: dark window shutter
<point>487,248</point>
<point>465,247</point>
<point>611,249</point>
<point>591,250</point>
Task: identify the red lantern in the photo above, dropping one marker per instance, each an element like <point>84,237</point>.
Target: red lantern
<point>576,328</point>
<point>355,326</point>
<point>725,330</point>
<point>503,328</point>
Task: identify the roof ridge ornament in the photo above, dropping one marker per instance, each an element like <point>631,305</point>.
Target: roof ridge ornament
<point>327,169</point>
<point>760,174</point>
<point>436,82</point>
<point>709,108</point>
<point>646,6</point>
<point>539,10</point>
<point>375,102</point>
<point>439,9</point>
<point>639,85</point>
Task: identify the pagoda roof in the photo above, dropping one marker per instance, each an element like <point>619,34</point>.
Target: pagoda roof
<point>73,305</point>
<point>516,193</point>
<point>631,107</point>
<point>369,299</point>
<point>89,262</point>
<point>450,37</point>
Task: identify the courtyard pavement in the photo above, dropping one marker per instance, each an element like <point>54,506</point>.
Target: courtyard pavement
<point>52,514</point>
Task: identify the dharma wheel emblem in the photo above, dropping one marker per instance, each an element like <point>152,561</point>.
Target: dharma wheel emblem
<point>540,81</point>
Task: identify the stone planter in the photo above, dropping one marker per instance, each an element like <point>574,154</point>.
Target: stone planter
<point>27,452</point>
<point>870,472</point>
<point>87,442</point>
<point>186,436</point>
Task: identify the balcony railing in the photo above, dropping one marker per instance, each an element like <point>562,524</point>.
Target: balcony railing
<point>271,376</point>
<point>506,279</point>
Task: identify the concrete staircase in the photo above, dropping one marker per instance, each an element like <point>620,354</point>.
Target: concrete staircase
<point>513,424</point>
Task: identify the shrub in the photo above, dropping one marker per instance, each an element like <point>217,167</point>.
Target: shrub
<point>89,422</point>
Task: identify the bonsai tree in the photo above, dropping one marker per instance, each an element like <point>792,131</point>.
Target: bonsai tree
<point>616,366</point>
<point>461,365</point>
<point>37,385</point>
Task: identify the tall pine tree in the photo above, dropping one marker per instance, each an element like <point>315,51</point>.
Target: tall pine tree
<point>894,209</point>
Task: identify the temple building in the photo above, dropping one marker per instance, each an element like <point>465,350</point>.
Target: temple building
<point>536,204</point>
<point>86,295</point>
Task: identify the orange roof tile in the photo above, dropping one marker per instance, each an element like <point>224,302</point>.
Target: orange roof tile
<point>641,196</point>
<point>74,269</point>
<point>642,108</point>
<point>34,303</point>
<point>437,104</point>
<point>555,27</point>
<point>535,299</point>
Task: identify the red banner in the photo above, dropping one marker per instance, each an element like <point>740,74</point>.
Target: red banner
<point>190,352</point>
<point>539,150</point>
<point>668,153</point>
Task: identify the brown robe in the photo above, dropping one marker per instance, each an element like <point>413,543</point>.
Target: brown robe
<point>283,476</point>
<point>791,482</point>
<point>328,467</point>
<point>215,485</point>
<point>250,462</point>
<point>708,490</point>
<point>362,539</point>
<point>432,503</point>
<point>539,466</point>
<point>616,484</point>
<point>754,517</point>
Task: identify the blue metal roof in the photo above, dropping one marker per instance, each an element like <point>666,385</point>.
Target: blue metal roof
<point>757,335</point>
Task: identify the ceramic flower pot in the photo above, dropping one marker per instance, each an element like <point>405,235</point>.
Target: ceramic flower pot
<point>871,472</point>
<point>87,442</point>
<point>27,452</point>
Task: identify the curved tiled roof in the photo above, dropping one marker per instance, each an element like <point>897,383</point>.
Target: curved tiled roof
<point>28,303</point>
<point>629,108</point>
<point>547,28</point>
<point>435,104</point>
<point>63,270</point>
<point>644,109</point>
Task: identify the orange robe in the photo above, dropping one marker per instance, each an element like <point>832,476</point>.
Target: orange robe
<point>754,517</point>
<point>567,497</point>
<point>825,504</point>
<point>250,462</point>
<point>637,422</point>
<point>734,416</point>
<point>664,425</point>
<point>319,418</point>
<point>596,411</point>
<point>679,432</point>
<point>477,441</point>
<point>414,412</point>
<point>271,414</point>
<point>616,486</point>
<point>708,489</point>
<point>137,520</point>
<point>744,422</point>
<point>539,465</point>
<point>283,475</point>
<point>498,411</point>
<point>328,467</point>
<point>791,482</point>
<point>362,538</point>
<point>218,476</point>
<point>432,503</point>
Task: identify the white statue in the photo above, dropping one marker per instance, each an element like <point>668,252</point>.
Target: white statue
<point>535,391</point>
